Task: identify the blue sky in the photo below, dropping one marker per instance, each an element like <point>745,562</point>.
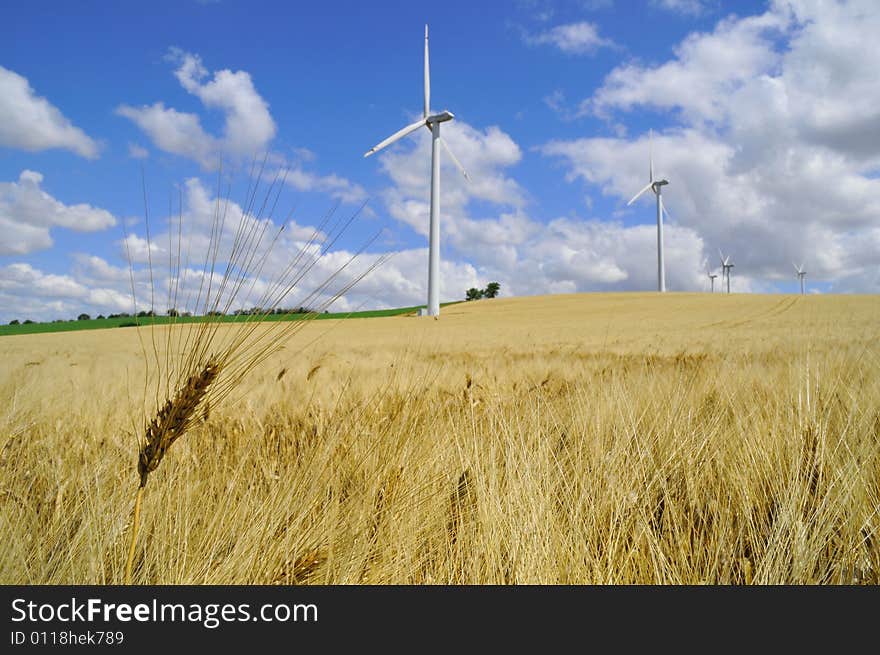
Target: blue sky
<point>765,118</point>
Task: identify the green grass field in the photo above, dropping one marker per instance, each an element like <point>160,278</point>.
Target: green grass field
<point>133,321</point>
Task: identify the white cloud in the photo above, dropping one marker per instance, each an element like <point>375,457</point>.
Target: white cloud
<point>137,152</point>
<point>601,255</point>
<point>175,132</point>
<point>483,153</point>
<point>97,270</point>
<point>572,38</point>
<point>526,256</point>
<point>706,69</point>
<point>686,7</point>
<point>27,213</point>
<point>248,125</point>
<point>774,158</point>
<point>486,225</point>
<point>30,122</point>
<point>555,100</point>
<point>30,293</point>
<point>140,251</point>
<point>333,185</point>
<point>275,251</point>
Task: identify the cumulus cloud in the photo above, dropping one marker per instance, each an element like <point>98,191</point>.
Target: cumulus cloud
<point>771,158</point>
<point>569,255</point>
<point>147,279</point>
<point>484,153</point>
<point>248,125</point>
<point>176,132</point>
<point>706,69</point>
<point>289,251</point>
<point>527,256</point>
<point>486,224</point>
<point>764,129</point>
<point>572,38</point>
<point>30,293</point>
<point>332,184</point>
<point>27,213</point>
<point>30,122</point>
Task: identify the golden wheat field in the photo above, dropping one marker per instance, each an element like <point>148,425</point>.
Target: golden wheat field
<point>588,438</point>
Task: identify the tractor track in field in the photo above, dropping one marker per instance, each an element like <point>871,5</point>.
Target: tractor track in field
<point>778,309</point>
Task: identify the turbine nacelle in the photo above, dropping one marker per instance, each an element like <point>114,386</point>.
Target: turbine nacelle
<point>655,186</point>
<point>442,117</point>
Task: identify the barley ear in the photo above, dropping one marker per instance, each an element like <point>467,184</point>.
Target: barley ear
<point>173,419</point>
<point>168,425</point>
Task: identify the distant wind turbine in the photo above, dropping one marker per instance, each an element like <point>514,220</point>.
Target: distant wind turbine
<point>725,269</point>
<point>432,122</point>
<point>801,273</point>
<point>712,277</point>
<point>655,186</point>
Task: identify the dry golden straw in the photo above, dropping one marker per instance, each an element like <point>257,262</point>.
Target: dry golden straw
<point>187,375</point>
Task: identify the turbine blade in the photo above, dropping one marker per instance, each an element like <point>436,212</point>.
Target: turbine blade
<point>427,77</point>
<point>636,197</point>
<point>394,137</point>
<point>796,267</point>
<point>721,254</point>
<point>651,155</point>
<point>455,160</point>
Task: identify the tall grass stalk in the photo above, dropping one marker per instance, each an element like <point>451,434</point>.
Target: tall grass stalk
<point>196,365</point>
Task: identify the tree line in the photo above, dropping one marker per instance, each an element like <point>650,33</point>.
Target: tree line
<point>253,311</point>
<point>490,291</point>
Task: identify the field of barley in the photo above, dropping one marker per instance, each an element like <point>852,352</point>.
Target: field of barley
<point>570,439</point>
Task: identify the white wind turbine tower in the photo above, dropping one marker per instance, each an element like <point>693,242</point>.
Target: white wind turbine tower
<point>655,186</point>
<point>725,269</point>
<point>432,122</point>
<point>801,273</point>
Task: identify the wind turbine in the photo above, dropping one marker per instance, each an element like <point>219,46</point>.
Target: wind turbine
<point>725,268</point>
<point>432,122</point>
<point>712,277</point>
<point>801,273</point>
<point>655,186</point>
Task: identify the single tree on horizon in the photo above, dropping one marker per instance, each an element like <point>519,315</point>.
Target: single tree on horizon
<point>492,290</point>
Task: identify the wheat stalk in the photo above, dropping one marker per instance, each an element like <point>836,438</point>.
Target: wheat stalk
<point>173,419</point>
<point>203,363</point>
<point>169,424</point>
